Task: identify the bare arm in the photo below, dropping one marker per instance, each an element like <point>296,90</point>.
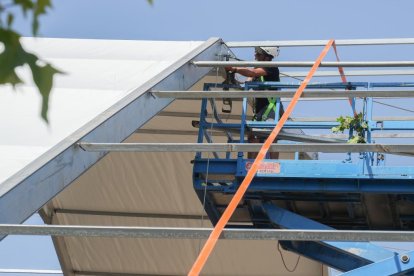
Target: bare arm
<point>248,72</point>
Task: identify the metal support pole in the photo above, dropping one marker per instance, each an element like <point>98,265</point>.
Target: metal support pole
<point>224,147</point>
<point>368,119</point>
<point>339,42</point>
<point>202,233</point>
<point>31,271</point>
<point>310,93</point>
<point>202,122</point>
<point>304,63</point>
<point>349,73</point>
<point>243,126</point>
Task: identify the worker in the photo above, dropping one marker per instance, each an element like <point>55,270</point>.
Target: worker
<point>263,108</point>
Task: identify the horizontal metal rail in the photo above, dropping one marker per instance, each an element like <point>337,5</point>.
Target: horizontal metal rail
<point>288,99</point>
<point>333,119</point>
<point>304,63</point>
<point>283,94</point>
<point>283,135</point>
<point>232,147</point>
<point>293,119</point>
<point>197,115</point>
<point>203,233</point>
<point>218,132</point>
<point>127,214</point>
<point>339,42</point>
<point>335,73</point>
<point>30,271</point>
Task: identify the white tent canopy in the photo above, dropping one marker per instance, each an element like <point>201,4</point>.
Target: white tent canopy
<point>102,98</point>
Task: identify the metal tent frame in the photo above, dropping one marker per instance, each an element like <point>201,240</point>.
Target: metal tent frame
<point>285,181</point>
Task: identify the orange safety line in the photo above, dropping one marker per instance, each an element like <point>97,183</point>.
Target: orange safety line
<point>343,77</point>
<point>215,234</point>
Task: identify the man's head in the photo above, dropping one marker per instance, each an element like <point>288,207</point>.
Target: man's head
<point>266,53</point>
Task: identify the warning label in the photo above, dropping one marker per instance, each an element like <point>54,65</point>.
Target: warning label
<point>265,167</point>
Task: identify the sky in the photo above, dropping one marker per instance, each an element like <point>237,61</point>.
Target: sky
<point>231,20</point>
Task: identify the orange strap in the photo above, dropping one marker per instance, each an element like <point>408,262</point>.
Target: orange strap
<point>344,80</point>
<point>215,234</point>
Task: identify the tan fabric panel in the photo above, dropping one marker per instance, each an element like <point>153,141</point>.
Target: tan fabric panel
<point>158,183</point>
<point>135,182</point>
<point>174,256</point>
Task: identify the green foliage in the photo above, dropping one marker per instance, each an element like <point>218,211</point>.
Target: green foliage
<point>356,123</point>
<point>25,5</point>
<point>14,56</point>
<point>39,9</point>
<point>10,19</point>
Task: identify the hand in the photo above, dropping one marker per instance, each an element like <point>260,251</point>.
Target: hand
<point>228,68</point>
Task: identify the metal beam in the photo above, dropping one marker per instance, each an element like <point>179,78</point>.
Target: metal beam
<point>233,147</point>
<point>347,255</point>
<point>202,233</point>
<point>392,135</point>
<point>333,119</point>
<point>298,137</point>
<point>307,175</point>
<point>283,135</point>
<point>284,94</point>
<point>126,214</point>
<point>339,42</point>
<point>28,190</point>
<point>197,115</point>
<point>304,63</point>
<point>220,133</point>
<point>30,271</point>
<point>374,125</point>
<point>289,182</point>
<point>175,132</point>
<point>399,264</point>
<point>294,119</point>
<point>349,73</point>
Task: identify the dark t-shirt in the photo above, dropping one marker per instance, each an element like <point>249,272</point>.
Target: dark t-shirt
<point>272,75</point>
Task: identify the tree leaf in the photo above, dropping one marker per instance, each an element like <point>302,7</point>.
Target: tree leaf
<point>43,78</point>
<point>336,129</point>
<point>25,5</point>
<point>10,18</point>
<point>353,140</point>
<point>364,125</point>
<point>151,2</point>
<point>14,56</point>
<point>39,8</point>
<point>356,139</point>
<point>356,123</point>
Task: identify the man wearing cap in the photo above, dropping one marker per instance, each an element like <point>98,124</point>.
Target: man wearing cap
<point>263,108</point>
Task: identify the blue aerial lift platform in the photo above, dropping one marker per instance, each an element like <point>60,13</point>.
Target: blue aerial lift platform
<point>353,192</point>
